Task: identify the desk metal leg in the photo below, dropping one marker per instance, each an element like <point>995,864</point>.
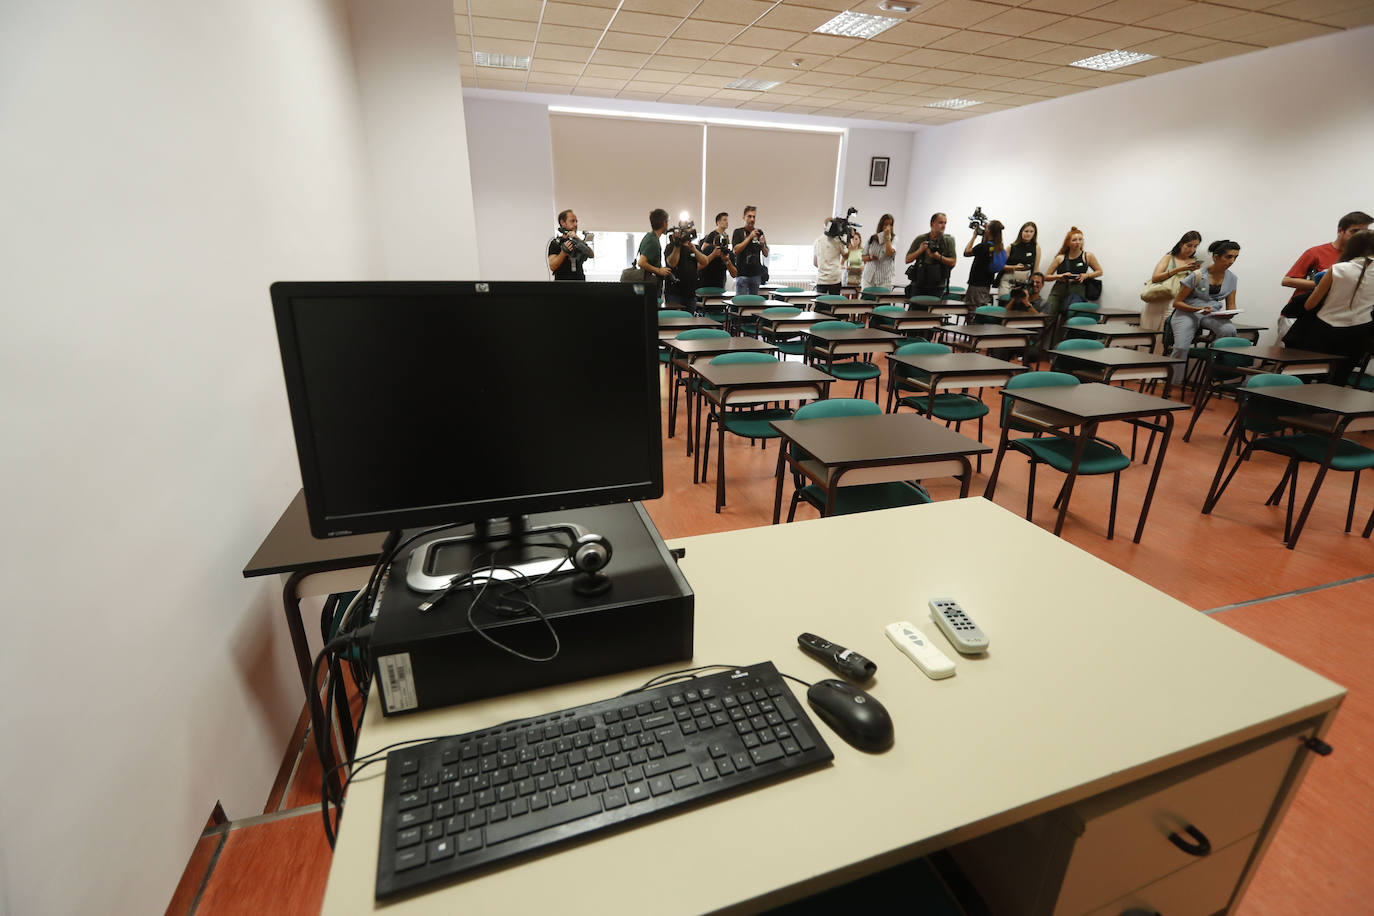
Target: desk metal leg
<point>291,603</point>
<point>1154,475</point>
<point>991,489</point>
<point>782,469</point>
<point>1232,444</point>
<point>1085,436</point>
<point>1316,485</point>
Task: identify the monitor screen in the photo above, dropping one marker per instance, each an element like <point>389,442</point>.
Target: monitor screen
<point>429,403</point>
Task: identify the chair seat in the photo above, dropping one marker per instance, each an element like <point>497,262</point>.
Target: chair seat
<point>854,372</point>
<point>1349,456</point>
<point>792,347</point>
<point>1058,454</point>
<point>868,497</point>
<point>956,407</point>
<point>753,424</point>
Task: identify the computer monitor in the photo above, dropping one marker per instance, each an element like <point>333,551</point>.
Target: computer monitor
<point>419,404</point>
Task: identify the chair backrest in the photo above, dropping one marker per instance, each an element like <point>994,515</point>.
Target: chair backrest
<point>832,299</point>
<point>957,289</point>
<point>1232,343</point>
<point>924,300</point>
<point>1267,379</point>
<point>1035,380</point>
<point>745,356</point>
<point>1085,306</point>
<point>673,313</point>
<point>788,289</point>
<point>989,310</point>
<point>834,326</point>
<point>748,299</point>
<point>876,290</point>
<point>780,311</point>
<point>1005,297</point>
<point>923,346</point>
<point>1263,416</point>
<point>888,310</point>
<point>1080,343</point>
<point>702,333</point>
<point>705,291</point>
<point>1078,321</point>
<point>836,407</point>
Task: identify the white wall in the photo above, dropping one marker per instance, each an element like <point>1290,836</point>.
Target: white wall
<point>162,163</point>
<point>1269,149</point>
<point>411,90</point>
<point>510,156</point>
<point>860,147</point>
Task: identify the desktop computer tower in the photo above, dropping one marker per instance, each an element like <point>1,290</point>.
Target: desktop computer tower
<point>423,660</point>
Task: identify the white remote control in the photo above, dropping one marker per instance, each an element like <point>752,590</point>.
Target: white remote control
<point>919,649</point>
<point>962,631</point>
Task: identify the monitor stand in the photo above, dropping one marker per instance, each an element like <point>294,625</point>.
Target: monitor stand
<point>505,549</point>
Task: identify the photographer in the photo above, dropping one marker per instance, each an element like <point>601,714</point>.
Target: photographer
<point>650,258</point>
<point>986,255</point>
<point>716,246</point>
<point>684,259</point>
<point>750,250</point>
<point>567,252</point>
<point>930,258</point>
<point>828,257</point>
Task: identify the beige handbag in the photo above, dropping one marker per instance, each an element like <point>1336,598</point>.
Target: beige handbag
<point>1164,291</point>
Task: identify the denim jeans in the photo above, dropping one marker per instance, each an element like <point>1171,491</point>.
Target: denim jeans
<point>747,286</point>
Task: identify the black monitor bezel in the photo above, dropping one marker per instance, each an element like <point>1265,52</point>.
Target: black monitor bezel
<point>322,526</point>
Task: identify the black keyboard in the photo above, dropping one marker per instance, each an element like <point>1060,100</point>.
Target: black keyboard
<point>465,802</point>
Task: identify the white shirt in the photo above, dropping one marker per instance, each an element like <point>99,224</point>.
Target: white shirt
<point>830,259</point>
<point>1347,305</point>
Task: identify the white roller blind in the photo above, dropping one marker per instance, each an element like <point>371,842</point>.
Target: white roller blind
<point>613,171</point>
<point>788,174</point>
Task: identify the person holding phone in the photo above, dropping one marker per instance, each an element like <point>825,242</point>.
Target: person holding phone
<point>1179,261</point>
<point>1070,267</point>
<point>1344,305</point>
<point>1200,295</point>
<point>880,254</point>
<point>1023,259</point>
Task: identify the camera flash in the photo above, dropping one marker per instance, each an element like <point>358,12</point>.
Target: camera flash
<point>684,216</point>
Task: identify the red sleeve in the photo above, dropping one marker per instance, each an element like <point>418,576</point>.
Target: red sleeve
<point>1302,265</point>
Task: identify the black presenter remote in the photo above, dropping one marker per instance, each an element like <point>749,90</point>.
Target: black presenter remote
<point>842,661</point>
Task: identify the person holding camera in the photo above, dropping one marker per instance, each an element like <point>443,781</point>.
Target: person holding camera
<point>650,258</point>
<point>567,252</point>
<point>986,257</point>
<point>1070,267</point>
<point>930,259</point>
<point>716,247</point>
<point>1023,259</point>
<point>1037,286</point>
<point>880,255</point>
<point>828,256</point>
<point>750,248</point>
<point>684,260</point>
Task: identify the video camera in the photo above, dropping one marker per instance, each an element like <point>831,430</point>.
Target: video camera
<point>840,227</point>
<point>579,246</point>
<point>978,222</point>
<point>684,231</point>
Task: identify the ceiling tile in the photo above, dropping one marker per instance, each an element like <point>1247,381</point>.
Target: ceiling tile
<point>638,95</point>
<point>682,47</point>
<point>978,81</point>
<point>675,8</point>
<point>569,35</point>
<point>810,78</point>
<point>776,74</point>
<point>968,42</point>
<point>670,77</point>
<point>610,4</point>
<point>1215,51</point>
<point>1351,19</point>
<point>1192,17</point>
<point>1158,65</point>
<point>959,14</point>
<point>464,42</point>
<point>693,90</point>
<point>615,73</point>
<point>550,88</point>
<point>596,82</point>
<point>1097,79</point>
<point>503,46</point>
<point>877,51</point>
<point>698,30</point>
<point>929,57</point>
<point>742,55</point>
<point>759,37</point>
<point>1171,45</point>
<point>1020,22</point>
<point>681,64</point>
<point>502,28</point>
<point>1071,30</point>
<point>585,17</point>
<point>733,96</point>
<point>622,41</point>
<point>738,11</point>
<point>1250,23</point>
<point>795,18</point>
<point>1127,36</point>
<point>916,34</point>
<point>1316,9</point>
<point>1066,7</point>
<point>1065,55</point>
<point>1021,48</point>
<point>561,52</point>
<point>527,10</point>
<point>845,66</point>
<point>1013,68</point>
<point>549,69</point>
<point>724,69</point>
<point>611,58</point>
<point>834,6</point>
<point>825,44</point>
<point>1131,11</point>
<point>644,23</point>
<point>1295,31</point>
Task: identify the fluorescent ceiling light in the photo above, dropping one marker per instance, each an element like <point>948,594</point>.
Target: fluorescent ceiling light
<point>731,122</point>
<point>857,25</point>
<point>954,103</point>
<point>1111,60</point>
<point>752,85</point>
<point>501,61</point>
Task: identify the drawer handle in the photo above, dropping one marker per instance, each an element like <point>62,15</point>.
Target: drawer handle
<point>1201,847</point>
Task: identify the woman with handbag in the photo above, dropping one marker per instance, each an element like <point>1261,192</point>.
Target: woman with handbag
<point>1209,290</point>
<point>1069,271</point>
<point>1159,293</point>
<point>1344,300</point>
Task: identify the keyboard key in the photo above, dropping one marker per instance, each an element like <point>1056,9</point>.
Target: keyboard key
<point>542,820</point>
<point>558,796</point>
<point>667,765</point>
<point>432,831</point>
<point>538,802</point>
<point>658,720</point>
<point>469,842</point>
<point>496,813</point>
<point>413,800</point>
<point>409,858</point>
<point>443,849</point>
<point>443,809</point>
<point>707,771</point>
<point>614,798</point>
<point>684,778</point>
<point>519,807</point>
<point>790,747</point>
<point>577,790</point>
<point>407,837</point>
<point>409,766</point>
<point>741,760</point>
<point>671,739</point>
<point>409,783</point>
<point>414,817</point>
<point>785,709</point>
<point>766,753</point>
<point>637,792</point>
<point>803,736</point>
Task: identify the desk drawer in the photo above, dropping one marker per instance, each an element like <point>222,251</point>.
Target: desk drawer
<point>1201,889</point>
<point>1125,840</point>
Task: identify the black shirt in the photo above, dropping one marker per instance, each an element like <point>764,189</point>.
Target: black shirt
<point>683,281</point>
<point>571,268</point>
<point>1022,253</point>
<point>713,274</point>
<point>1078,265</point>
<point>980,271</point>
<point>749,262</point>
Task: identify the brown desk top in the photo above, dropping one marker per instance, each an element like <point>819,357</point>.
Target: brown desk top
<point>876,335</point>
<point>803,317</point>
<point>987,330</point>
<point>1095,401</point>
<point>1116,329</point>
<point>878,438</point>
<point>718,345</point>
<point>1328,398</point>
<point>1088,308</point>
<point>683,324</point>
<point>1001,314</point>
<point>1119,356</point>
<point>908,313</point>
<point>759,375</point>
<point>289,547</point>
<point>1272,353</point>
<point>956,363</point>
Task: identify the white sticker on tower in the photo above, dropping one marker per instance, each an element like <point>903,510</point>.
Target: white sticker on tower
<point>398,682</point>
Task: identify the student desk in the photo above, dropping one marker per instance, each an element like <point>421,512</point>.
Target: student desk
<point>1319,409</point>
<point>669,328</point>
<point>1017,319</point>
<point>796,296</point>
<point>1119,334</point>
<point>1118,364</point>
<point>1086,407</point>
<point>686,352</point>
<point>1267,358</point>
<point>1078,702</point>
<point>789,325</point>
<point>1079,308</point>
<point>748,383</point>
<point>948,371</point>
<point>907,320</point>
<point>849,310</point>
<point>986,336</point>
<point>879,448</point>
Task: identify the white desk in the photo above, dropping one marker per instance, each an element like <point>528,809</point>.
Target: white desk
<point>1094,682</point>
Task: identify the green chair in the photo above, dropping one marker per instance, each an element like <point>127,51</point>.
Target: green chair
<point>664,354</point>
<point>748,422</point>
<point>1099,455</point>
<point>846,368</point>
<point>952,407</point>
<point>873,292</point>
<point>828,302</point>
<point>988,314</point>
<point>955,292</point>
<point>791,344</point>
<point>887,311</point>
<point>739,323</point>
<point>924,302</point>
<point>1078,321</point>
<point>1077,343</point>
<point>1004,298</point>
<point>682,378</point>
<point>1085,308</point>
<point>1224,371</point>
<point>843,500</point>
<point>1031,380</point>
<point>788,289</point>
<point>1262,422</point>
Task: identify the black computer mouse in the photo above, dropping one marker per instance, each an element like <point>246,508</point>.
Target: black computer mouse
<point>852,713</point>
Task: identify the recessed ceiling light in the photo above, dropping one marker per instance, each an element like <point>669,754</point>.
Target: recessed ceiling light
<point>858,25</point>
<point>501,61</point>
<point>1111,60</point>
<point>752,85</point>
<point>895,6</point>
<point>954,103</point>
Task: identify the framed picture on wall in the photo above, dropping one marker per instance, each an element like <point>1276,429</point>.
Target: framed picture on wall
<point>877,172</point>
